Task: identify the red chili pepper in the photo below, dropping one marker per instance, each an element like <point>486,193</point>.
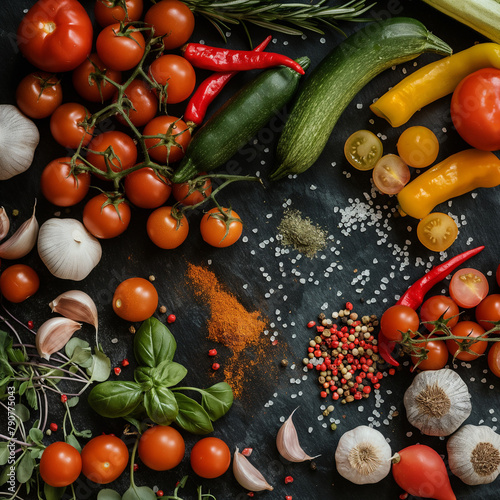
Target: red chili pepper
<point>220,59</point>
<point>210,88</point>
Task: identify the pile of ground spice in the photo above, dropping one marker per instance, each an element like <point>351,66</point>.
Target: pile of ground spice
<point>231,325</point>
<point>301,233</point>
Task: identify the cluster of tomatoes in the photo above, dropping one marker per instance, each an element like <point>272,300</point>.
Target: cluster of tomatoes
<point>104,458</point>
<point>461,338</point>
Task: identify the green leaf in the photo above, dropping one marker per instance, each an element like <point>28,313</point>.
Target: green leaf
<point>138,425</point>
<point>16,355</point>
<point>21,412</point>
<point>4,453</point>
<point>115,399</point>
<point>101,366</point>
<point>82,357</point>
<point>139,493</point>
<point>72,402</point>
<point>161,405</point>
<point>36,435</point>
<point>168,373</point>
<point>31,398</point>
<point>86,433</point>
<point>24,468</point>
<point>5,345</point>
<point>52,493</point>
<point>73,343</point>
<point>23,387</point>
<point>217,400</point>
<point>108,494</point>
<point>36,453</point>
<point>192,417</point>
<point>143,375</point>
<point>71,439</point>
<point>4,475</point>
<point>153,343</point>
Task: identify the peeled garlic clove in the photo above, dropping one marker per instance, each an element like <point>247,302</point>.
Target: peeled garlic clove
<point>76,305</point>
<point>4,223</point>
<point>247,475</point>
<point>287,442</point>
<point>67,249</point>
<point>54,334</point>
<point>22,241</point>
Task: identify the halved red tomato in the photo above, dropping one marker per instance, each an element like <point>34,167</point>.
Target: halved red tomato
<point>468,287</point>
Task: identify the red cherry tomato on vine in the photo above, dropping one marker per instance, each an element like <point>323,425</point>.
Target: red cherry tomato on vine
<point>468,287</point>
<point>437,355</point>
<point>109,12</point>
<point>135,299</point>
<point>422,473</point>
<point>18,282</point>
<point>39,94</point>
<point>60,464</point>
<point>468,330</point>
<point>120,49</point>
<point>397,319</point>
<point>147,189</point>
<point>488,311</point>
<point>143,104</point>
<point>435,307</point>
<point>173,19</point>
<point>210,457</point>
<point>475,109</point>
<point>104,458</point>
<point>221,229</point>
<point>60,186</point>
<point>165,230</point>
<point>55,36</point>
<point>161,448</point>
<point>104,219</point>
<point>192,192</point>
<point>177,72</point>
<point>494,359</point>
<point>67,125</point>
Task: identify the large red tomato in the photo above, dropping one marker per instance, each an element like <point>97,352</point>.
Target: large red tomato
<point>55,36</point>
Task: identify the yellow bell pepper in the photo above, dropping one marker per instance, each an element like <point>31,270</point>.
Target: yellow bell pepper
<point>433,81</point>
<point>454,176</point>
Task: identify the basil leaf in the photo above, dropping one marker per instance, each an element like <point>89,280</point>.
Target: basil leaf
<point>53,493</point>
<point>143,375</point>
<point>101,366</point>
<point>4,453</point>
<point>24,468</point>
<point>115,399</point>
<point>161,405</point>
<point>21,412</point>
<point>32,398</point>
<point>217,400</point>
<point>108,494</point>
<point>192,417</point>
<point>153,343</point>
<point>168,373</point>
<point>139,493</point>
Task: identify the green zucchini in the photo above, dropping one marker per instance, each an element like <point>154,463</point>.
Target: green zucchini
<point>238,120</point>
<point>338,78</point>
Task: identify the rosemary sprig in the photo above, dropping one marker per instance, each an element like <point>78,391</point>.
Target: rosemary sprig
<point>279,16</point>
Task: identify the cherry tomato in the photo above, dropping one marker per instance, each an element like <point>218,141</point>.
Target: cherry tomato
<point>173,19</point>
<point>468,287</point>
<point>110,11</point>
<point>468,330</point>
<point>175,137</point>
<point>135,299</point>
<point>60,464</point>
<point>55,36</point>
<point>363,149</point>
<point>437,355</point>
<point>161,448</point>
<point>60,186</point>
<point>488,311</point>
<point>494,359</point>
<point>165,230</point>
<point>146,188</point>
<point>38,94</point>
<point>88,79</point>
<point>122,156</point>
<point>120,49</point>
<point>397,319</point>
<point>437,231</point>
<point>390,174</point>
<point>143,104</point>
<point>67,125</point>
<point>104,458</point>
<point>475,109</point>
<point>18,282</point>
<point>210,457</point>
<point>418,147</point>
<point>435,307</point>
<point>104,219</point>
<point>422,473</point>
<point>177,72</point>
<point>192,192</point>
<point>221,229</point>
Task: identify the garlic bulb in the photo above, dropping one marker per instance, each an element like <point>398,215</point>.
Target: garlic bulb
<point>363,456</point>
<point>54,335</point>
<point>247,475</point>
<point>437,402</point>
<point>67,249</point>
<point>19,138</point>
<point>287,442</point>
<point>4,223</point>
<point>474,454</point>
<point>22,241</point>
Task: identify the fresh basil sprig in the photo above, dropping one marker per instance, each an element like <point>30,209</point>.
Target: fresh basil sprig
<point>153,391</point>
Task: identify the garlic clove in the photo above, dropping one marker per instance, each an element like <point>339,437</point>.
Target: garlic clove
<point>76,305</point>
<point>54,334</point>
<point>287,442</point>
<point>4,223</point>
<point>67,249</point>
<point>247,475</point>
<point>22,241</point>
<point>19,138</point>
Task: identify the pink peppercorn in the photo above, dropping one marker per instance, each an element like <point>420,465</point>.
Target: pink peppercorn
<point>53,427</point>
<point>171,318</point>
<point>288,479</point>
<point>311,324</point>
